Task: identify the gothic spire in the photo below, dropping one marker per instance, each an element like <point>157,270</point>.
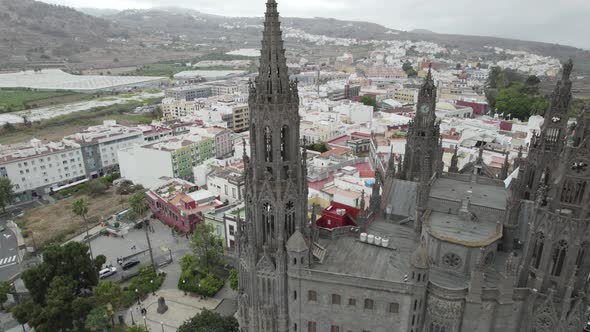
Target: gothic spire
<point>505,167</point>
<point>273,77</point>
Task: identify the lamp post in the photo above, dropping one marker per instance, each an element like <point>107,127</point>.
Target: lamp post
<point>132,319</point>
<point>162,325</point>
<point>184,286</point>
<point>145,323</point>
<point>153,290</point>
<point>137,293</point>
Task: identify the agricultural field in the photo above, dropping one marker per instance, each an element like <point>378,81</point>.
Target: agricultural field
<point>13,100</point>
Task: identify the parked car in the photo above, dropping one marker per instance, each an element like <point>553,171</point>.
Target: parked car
<point>107,272</point>
<point>129,264</point>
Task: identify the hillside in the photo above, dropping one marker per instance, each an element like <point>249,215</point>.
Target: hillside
<point>35,30</point>
<point>37,34</point>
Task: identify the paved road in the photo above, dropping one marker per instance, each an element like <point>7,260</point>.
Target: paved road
<point>9,257</point>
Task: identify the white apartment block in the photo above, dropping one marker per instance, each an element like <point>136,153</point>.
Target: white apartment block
<point>35,168</point>
<point>173,108</point>
<point>227,183</point>
<point>101,143</point>
<point>175,157</point>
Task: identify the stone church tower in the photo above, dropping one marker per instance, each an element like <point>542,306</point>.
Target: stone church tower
<point>275,190</point>
<point>538,171</point>
<point>423,137</point>
<point>556,262</point>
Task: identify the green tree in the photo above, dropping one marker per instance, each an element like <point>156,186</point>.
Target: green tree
<point>410,71</point>
<point>531,85</point>
<point>136,328</point>
<point>513,102</point>
<point>70,261</point>
<point>318,147</point>
<point>57,314</point>
<point>233,279</point>
<point>80,208</point>
<point>369,101</point>
<point>99,262</point>
<point>6,193</point>
<point>138,205</point>
<point>207,248</point>
<point>210,321</point>
<point>5,289</point>
<point>98,319</point>
<point>25,311</point>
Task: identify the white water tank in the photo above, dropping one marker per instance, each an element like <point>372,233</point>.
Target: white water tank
<point>363,237</point>
<point>377,240</point>
<point>385,242</point>
<point>371,238</point>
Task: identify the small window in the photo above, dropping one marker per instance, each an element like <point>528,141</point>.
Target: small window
<point>335,328</point>
<point>352,302</point>
<point>369,304</point>
<point>294,295</point>
<point>335,299</point>
<point>312,296</point>
<point>311,327</point>
<point>394,308</point>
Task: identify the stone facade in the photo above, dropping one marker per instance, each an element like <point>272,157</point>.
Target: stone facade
<point>473,256</point>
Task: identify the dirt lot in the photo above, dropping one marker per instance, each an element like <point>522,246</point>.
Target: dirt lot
<point>56,222</point>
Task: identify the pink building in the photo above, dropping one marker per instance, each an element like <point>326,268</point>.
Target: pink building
<point>179,204</point>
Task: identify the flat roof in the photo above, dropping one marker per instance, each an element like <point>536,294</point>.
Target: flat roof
<point>347,255</point>
<point>487,195</point>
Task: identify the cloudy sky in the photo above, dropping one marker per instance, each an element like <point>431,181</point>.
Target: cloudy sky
<point>554,21</point>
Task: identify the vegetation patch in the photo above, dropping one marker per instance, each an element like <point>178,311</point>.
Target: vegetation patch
<point>13,100</point>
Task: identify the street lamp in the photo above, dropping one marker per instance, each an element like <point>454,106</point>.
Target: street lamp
<point>137,293</point>
<point>145,323</point>
<point>162,324</point>
<point>184,286</point>
<point>132,319</point>
<point>153,290</point>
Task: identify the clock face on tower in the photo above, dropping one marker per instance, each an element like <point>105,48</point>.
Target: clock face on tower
<point>424,109</point>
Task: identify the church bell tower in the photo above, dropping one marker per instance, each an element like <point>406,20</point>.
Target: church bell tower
<point>275,189</point>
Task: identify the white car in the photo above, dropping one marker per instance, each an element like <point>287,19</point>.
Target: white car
<point>107,272</point>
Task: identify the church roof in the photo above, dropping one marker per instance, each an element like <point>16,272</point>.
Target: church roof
<point>297,243</point>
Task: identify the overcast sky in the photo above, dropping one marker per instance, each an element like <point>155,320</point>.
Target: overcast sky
<point>554,21</point>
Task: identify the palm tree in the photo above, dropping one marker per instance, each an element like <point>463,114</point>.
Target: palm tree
<point>138,208</point>
<point>80,208</point>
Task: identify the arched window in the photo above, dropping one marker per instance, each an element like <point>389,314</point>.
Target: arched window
<point>289,218</point>
<point>284,143</point>
<point>558,258</point>
<point>267,144</point>
<point>538,250</point>
<point>268,224</point>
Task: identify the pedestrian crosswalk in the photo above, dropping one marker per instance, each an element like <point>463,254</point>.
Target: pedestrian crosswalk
<point>11,260</point>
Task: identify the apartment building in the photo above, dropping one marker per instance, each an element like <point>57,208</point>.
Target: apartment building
<point>173,108</point>
<point>191,92</point>
<point>101,143</point>
<point>173,157</point>
<point>36,168</point>
<point>227,183</point>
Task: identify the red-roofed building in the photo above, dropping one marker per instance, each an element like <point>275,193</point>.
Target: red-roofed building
<point>178,204</point>
<point>337,215</point>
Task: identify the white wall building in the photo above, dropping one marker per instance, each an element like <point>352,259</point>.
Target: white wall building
<point>35,168</point>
